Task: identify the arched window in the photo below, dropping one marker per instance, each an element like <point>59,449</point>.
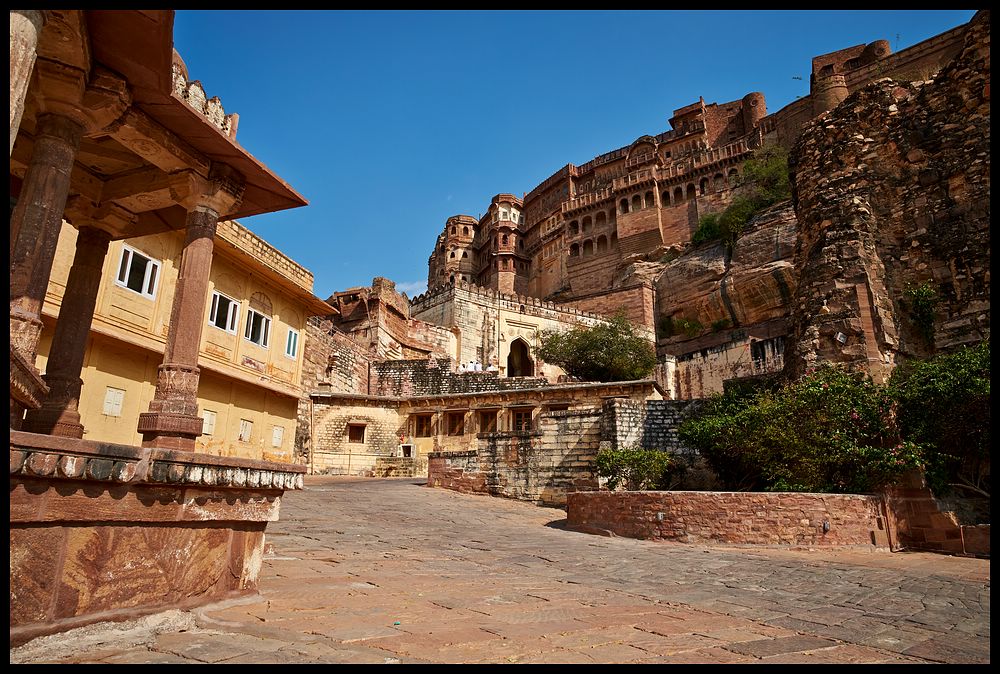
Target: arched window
<point>452,254</point>
<point>600,219</point>
<point>465,254</point>
<point>574,228</point>
<point>691,192</point>
<point>453,229</point>
<point>503,240</point>
<point>665,198</point>
<point>588,248</point>
<point>734,177</point>
<point>679,195</point>
<point>574,250</point>
<point>718,182</point>
<point>451,279</point>
<point>636,203</point>
<point>650,201</point>
<point>602,243</point>
<point>587,224</point>
<point>703,186</point>
<point>623,205</point>
<point>441,248</point>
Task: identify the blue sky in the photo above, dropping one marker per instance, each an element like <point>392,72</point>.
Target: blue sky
<point>389,122</point>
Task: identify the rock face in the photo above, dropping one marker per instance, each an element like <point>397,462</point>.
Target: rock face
<point>755,286</point>
<point>892,194</point>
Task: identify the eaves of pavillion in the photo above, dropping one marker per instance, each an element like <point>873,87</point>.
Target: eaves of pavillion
<point>153,134</point>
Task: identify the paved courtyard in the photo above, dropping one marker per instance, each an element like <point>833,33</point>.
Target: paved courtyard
<point>389,571</point>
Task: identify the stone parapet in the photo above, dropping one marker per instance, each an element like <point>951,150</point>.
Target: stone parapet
<point>733,518</point>
<point>100,531</point>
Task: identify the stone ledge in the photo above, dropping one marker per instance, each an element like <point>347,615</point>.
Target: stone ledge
<point>44,456</point>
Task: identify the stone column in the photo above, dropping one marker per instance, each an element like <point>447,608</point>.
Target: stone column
<point>172,421</point>
<point>25,25</point>
<point>59,414</point>
<point>35,227</point>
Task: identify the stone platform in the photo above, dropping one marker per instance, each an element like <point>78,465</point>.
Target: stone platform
<point>100,531</point>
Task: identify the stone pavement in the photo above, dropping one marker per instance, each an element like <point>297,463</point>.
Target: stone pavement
<point>388,571</point>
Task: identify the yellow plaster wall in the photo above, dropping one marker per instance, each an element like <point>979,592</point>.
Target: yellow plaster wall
<point>239,379</point>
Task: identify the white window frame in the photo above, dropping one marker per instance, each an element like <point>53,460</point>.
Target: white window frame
<point>209,418</point>
<point>233,317</point>
<point>265,332</point>
<point>149,285</point>
<point>292,343</point>
<point>114,400</point>
<point>246,430</point>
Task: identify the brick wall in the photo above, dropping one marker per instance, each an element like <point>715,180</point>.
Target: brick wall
<point>736,518</point>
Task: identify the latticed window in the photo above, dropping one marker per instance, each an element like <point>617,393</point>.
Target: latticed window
<point>521,420</point>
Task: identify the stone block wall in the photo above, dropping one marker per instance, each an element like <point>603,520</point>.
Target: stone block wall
<point>539,466</point>
<point>637,301</point>
<point>921,524</point>
<point>242,238</point>
<point>335,453</point>
<point>331,361</point>
<point>733,518</point>
<point>651,424</point>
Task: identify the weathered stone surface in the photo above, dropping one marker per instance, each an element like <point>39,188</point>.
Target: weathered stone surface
<point>893,191</point>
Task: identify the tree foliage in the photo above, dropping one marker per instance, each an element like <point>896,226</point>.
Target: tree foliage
<point>611,351</point>
<point>765,181</point>
<point>944,404</point>
<point>634,468</point>
<point>833,431</point>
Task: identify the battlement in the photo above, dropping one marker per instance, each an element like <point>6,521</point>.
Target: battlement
<point>510,301</point>
<point>264,253</point>
<point>193,93</point>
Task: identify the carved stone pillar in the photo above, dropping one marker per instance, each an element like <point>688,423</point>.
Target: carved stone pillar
<point>172,421</point>
<point>37,219</point>
<point>25,25</point>
<point>59,414</point>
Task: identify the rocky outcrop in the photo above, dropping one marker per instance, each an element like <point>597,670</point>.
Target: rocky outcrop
<point>892,195</point>
<point>753,287</point>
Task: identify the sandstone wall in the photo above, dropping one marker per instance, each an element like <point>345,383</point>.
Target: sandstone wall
<point>437,377</point>
<point>892,192</point>
<point>334,451</point>
<point>736,518</point>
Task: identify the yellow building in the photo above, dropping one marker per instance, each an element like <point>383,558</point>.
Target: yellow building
<point>251,346</point>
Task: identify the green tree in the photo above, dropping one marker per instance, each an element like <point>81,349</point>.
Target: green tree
<point>765,181</point>
<point>611,351</point>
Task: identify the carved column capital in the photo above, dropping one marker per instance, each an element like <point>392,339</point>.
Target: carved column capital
<point>221,192</point>
<point>95,103</point>
<point>108,217</point>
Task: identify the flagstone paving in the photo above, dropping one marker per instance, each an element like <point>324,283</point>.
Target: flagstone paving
<point>390,571</point>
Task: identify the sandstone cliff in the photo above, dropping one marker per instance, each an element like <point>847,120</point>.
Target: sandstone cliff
<point>892,194</point>
<point>755,286</point>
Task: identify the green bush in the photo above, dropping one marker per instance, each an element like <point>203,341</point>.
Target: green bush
<point>922,301</point>
<point>944,404</point>
<point>611,351</point>
<point>833,431</point>
<point>765,181</point>
<point>634,468</point>
<point>708,229</point>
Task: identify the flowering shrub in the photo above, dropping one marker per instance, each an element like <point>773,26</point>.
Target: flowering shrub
<point>832,431</point>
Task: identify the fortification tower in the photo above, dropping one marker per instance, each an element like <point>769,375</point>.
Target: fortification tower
<point>500,255</point>
<point>453,258</point>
